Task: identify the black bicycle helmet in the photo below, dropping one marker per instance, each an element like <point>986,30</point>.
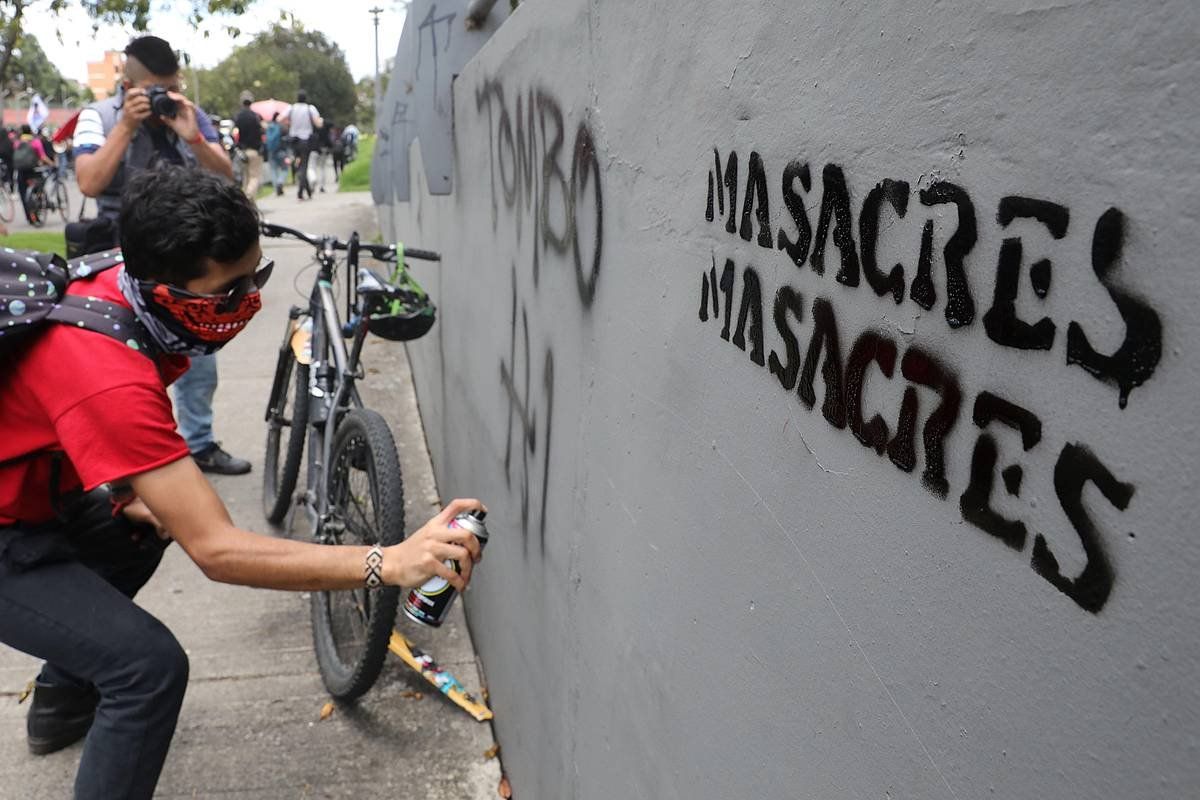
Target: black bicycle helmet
<point>402,322</point>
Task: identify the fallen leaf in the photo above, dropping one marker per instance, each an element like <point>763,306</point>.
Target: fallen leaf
<point>504,790</point>
<point>411,695</point>
<point>326,711</point>
<point>491,751</point>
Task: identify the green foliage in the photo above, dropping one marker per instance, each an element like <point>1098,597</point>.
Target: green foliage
<point>356,177</point>
<point>31,70</point>
<point>134,13</point>
<point>277,63</point>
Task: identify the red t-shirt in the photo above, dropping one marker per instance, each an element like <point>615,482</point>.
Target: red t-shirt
<point>89,396</point>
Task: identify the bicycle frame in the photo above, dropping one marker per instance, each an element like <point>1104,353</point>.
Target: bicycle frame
<point>332,390</point>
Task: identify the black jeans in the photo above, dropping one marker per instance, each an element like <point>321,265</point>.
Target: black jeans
<point>66,590</point>
<point>302,151</point>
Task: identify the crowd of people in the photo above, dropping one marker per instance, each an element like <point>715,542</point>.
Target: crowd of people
<point>295,145</point>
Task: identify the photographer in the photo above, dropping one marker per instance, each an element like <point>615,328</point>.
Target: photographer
<point>148,125</point>
<point>95,482</point>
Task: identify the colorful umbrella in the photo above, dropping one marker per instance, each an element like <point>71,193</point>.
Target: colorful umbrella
<point>268,108</point>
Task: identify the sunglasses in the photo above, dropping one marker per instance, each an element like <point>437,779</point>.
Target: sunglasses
<point>245,285</point>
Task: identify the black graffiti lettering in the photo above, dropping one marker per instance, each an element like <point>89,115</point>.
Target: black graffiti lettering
<point>526,160</point>
<point>552,174</point>
<point>960,307</point>
<point>825,337</point>
<point>756,193</point>
<point>1076,466</point>
<point>727,278</point>
<point>538,133</point>
<point>752,309</point>
<point>835,205</point>
<point>726,181</point>
<point>505,143</point>
<point>583,165</point>
<point>787,299</point>
<point>483,97</point>
<point>869,347</point>
<point>712,279</point>
<point>923,369</point>
<point>896,194</point>
<point>1001,321</point>
<point>976,501</point>
<point>902,450</point>
<point>523,418</point>
<point>1136,359</point>
<point>704,296</point>
<point>1052,215</point>
<point>797,250</point>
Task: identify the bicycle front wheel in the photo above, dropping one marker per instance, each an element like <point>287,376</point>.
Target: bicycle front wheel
<point>286,422</point>
<point>366,500</point>
<point>62,201</point>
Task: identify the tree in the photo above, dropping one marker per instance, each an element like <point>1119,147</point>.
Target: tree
<point>124,12</point>
<point>32,71</point>
<point>279,62</point>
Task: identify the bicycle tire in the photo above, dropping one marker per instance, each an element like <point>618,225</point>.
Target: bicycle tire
<point>35,204</point>
<point>351,628</point>
<point>8,206</point>
<point>62,200</point>
<point>279,478</point>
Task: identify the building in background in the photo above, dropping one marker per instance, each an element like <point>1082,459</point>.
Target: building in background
<point>105,74</point>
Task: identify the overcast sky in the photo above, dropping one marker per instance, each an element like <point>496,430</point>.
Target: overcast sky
<point>346,22</point>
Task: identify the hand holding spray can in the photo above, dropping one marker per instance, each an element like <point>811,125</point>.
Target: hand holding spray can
<point>430,602</point>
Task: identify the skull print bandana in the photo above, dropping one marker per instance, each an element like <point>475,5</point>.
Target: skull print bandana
<point>186,323</point>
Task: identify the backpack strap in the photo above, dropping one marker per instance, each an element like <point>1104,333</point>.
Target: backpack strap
<point>114,321</point>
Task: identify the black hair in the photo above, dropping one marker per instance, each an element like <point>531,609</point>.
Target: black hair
<point>155,54</point>
<point>173,218</point>
<point>25,129</point>
<point>301,96</point>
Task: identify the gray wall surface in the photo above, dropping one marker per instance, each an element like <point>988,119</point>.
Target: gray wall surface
<point>826,371</point>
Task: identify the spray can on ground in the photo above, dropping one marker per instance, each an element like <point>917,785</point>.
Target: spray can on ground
<point>430,602</point>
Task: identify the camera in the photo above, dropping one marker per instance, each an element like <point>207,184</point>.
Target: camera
<point>161,103</point>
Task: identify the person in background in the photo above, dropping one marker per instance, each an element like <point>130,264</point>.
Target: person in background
<point>322,145</point>
<point>350,136</point>
<point>302,121</point>
<point>6,159</point>
<point>124,135</point>
<point>28,155</point>
<point>249,141</point>
<point>276,153</point>
<point>338,154</point>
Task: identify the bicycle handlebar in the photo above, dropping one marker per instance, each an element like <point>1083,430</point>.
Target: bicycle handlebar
<point>383,252</point>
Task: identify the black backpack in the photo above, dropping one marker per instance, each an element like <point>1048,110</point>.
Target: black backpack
<point>33,293</point>
<point>25,157</point>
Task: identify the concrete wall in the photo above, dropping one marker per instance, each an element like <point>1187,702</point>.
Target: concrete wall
<point>827,372</point>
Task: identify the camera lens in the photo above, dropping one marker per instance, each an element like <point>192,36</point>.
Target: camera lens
<point>161,103</point>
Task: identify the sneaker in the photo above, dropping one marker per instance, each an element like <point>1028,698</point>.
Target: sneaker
<point>59,716</point>
<point>215,459</point>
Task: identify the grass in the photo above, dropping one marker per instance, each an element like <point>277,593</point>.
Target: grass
<point>42,241</point>
<point>356,177</point>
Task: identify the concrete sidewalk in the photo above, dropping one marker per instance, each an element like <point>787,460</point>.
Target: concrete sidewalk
<point>250,725</point>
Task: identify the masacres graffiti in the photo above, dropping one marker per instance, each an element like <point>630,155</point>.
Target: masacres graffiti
<point>736,299</point>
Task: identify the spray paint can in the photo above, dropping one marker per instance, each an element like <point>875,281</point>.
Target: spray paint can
<point>430,602</point>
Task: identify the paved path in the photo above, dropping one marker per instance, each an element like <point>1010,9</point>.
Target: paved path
<point>250,727</point>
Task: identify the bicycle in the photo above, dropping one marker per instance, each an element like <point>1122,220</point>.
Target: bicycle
<point>354,492</point>
<point>40,198</point>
